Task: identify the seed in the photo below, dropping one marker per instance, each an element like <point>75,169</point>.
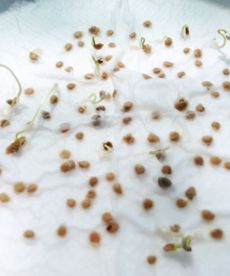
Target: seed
<point>175,228</point>
<point>109,32</point>
<point>29,234</point>
<point>71,202</point>
<point>81,43</point>
<point>207,84</point>
<point>186,50</point>
<point>166,169</point>
<point>226,85</point>
<point>70,86</point>
<point>4,198</point>
<point>4,123</point>
<point>174,136</point>
<point>190,193</point>
<point>117,188</point>
<point>197,53</point>
<point>94,30</point>
<point>84,164</point>
<point>156,70</point>
<point>32,188</point>
<point>110,176</point>
<point>107,146</point>
<point>227,165</point>
<point>59,64</point>
<point>215,160</point>
<point>168,41</point>
<point>198,63</point>
<point>104,76</point>
<point>132,35</point>
<point>101,108</point>
<point>147,48</point>
<point>64,127</point>
<point>93,181</point>
<point>147,204</point>
<point>107,217</point>
<point>139,169</point>
<point>207,139</point>
<point>127,106</point>
<point>226,71</point>
<point>95,237</point>
<point>180,74</point>
<point>181,104</point>
<point>78,34</point>
<point>98,46</point>
<point>207,215</point>
<point>215,94</point>
<point>161,75</point>
<point>169,247</point>
<point>168,64</point>
<point>129,139</point>
<point>198,160</point>
<point>112,45</point>
<point>146,77</point>
<point>164,182</point>
<point>86,203</point>
<point>16,145</point>
<point>65,154</point>
<point>151,259</point>
<point>62,231</point>
<point>200,108</point>
<point>126,120</point>
<point>153,138</point>
<point>216,125</point>
<point>53,99</point>
<point>82,109</point>
<point>156,115</point>
<point>19,187</point>
<point>79,135</point>
<point>29,91</point>
<point>112,227</point>
<point>68,166</point>
<point>33,56</point>
<point>181,203</point>
<point>91,194</point>
<point>147,24</point>
<point>108,58</point>
<point>217,234</point>
<point>46,115</point>
<point>69,69</point>
<point>68,46</point>
<point>190,115</point>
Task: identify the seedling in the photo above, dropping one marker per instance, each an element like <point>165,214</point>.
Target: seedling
<point>185,244</point>
<point>225,35</point>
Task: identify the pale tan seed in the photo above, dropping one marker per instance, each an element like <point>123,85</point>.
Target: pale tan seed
<point>59,64</point>
<point>29,91</point>
<point>84,164</point>
<point>65,154</point>
<point>4,198</point>
<point>68,47</point>
<point>71,202</point>
<point>19,187</point>
<point>29,234</point>
<point>110,176</point>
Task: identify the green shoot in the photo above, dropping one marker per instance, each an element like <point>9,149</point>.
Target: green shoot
<point>94,100</point>
<point>224,34</point>
<point>97,65</point>
<point>142,42</point>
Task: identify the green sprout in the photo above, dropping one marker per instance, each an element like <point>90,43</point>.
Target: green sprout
<point>185,31</point>
<point>185,244</point>
<point>94,100</point>
<point>225,36</point>
<point>142,42</point>
<point>97,65</point>
<point>15,100</point>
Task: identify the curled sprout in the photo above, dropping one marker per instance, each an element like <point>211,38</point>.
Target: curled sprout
<point>31,122</point>
<point>142,42</point>
<point>185,31</point>
<point>15,100</point>
<point>224,34</point>
<point>94,100</point>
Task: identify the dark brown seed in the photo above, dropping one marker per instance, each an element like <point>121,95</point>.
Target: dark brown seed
<point>217,234</point>
<point>164,182</point>
<point>62,231</point>
<point>151,259</point>
<point>127,106</point>
<point>67,166</point>
<point>207,215</point>
<point>226,85</point>
<point>112,227</point>
<point>174,136</point>
<point>107,217</point>
<point>139,169</point>
<point>107,146</point>
<point>94,238</point>
<point>207,139</point>
<point>16,145</point>
<point>181,104</point>
<point>96,120</point>
<point>129,139</point>
<point>198,160</point>
<point>53,99</point>
<point>153,138</point>
<point>190,193</point>
<point>147,204</point>
<point>93,181</point>
<point>46,115</point>
<point>166,169</point>
<point>181,203</point>
<point>117,188</point>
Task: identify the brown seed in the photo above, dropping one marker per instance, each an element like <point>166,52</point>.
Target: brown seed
<point>126,120</point>
<point>112,227</point>
<point>78,34</point>
<point>67,166</point>
<point>127,106</point>
<point>216,125</point>
<point>107,217</point>
<point>71,202</point>
<point>190,115</point>
<point>156,70</point>
<point>19,187</point>
<point>166,169</point>
<point>93,181</point>
<point>79,135</point>
<point>161,75</point>
<point>169,247</point>
<point>29,234</point>
<point>168,64</point>
<point>190,193</point>
<point>207,139</point>
<point>69,69</point>
<point>156,115</point>
<point>207,215</point>
<point>226,85</point>
<point>110,176</point>
<point>227,165</point>
<point>200,108</point>
<point>147,23</point>
<point>109,32</point>
<point>147,48</point>
<point>86,203</point>
<point>139,169</point>
<point>4,123</point>
<point>215,94</point>
<point>117,188</point>
<point>168,41</point>
<point>186,50</point>
<point>217,234</point>
<point>94,30</point>
<point>197,53</point>
<point>29,91</point>
<point>164,182</point>
<point>59,64</point>
<point>181,104</point>
<point>64,127</point>
<point>31,188</point>
<point>53,99</point>
<point>153,138</point>
<point>180,74</point>
<point>33,56</point>
<point>151,259</point>
<point>132,35</point>
<point>91,194</point>
<point>70,86</point>
<point>4,198</point>
<point>129,138</point>
<point>226,71</point>
<point>215,160</point>
<point>148,204</point>
<point>108,58</point>
<point>82,109</point>
<point>101,108</point>
<point>46,115</point>
<point>104,76</point>
<point>174,136</point>
<point>112,45</point>
<point>84,164</point>
<point>68,46</point>
<point>198,160</point>
<point>95,238</point>
<point>16,145</point>
<point>81,43</point>
<point>62,231</point>
<point>207,84</point>
<point>198,63</point>
<point>175,228</point>
<point>181,203</point>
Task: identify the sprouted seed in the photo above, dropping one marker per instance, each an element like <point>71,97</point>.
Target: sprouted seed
<point>94,99</point>
<point>15,146</point>
<point>224,34</point>
<point>95,45</point>
<point>185,31</point>
<point>107,146</point>
<point>185,244</point>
